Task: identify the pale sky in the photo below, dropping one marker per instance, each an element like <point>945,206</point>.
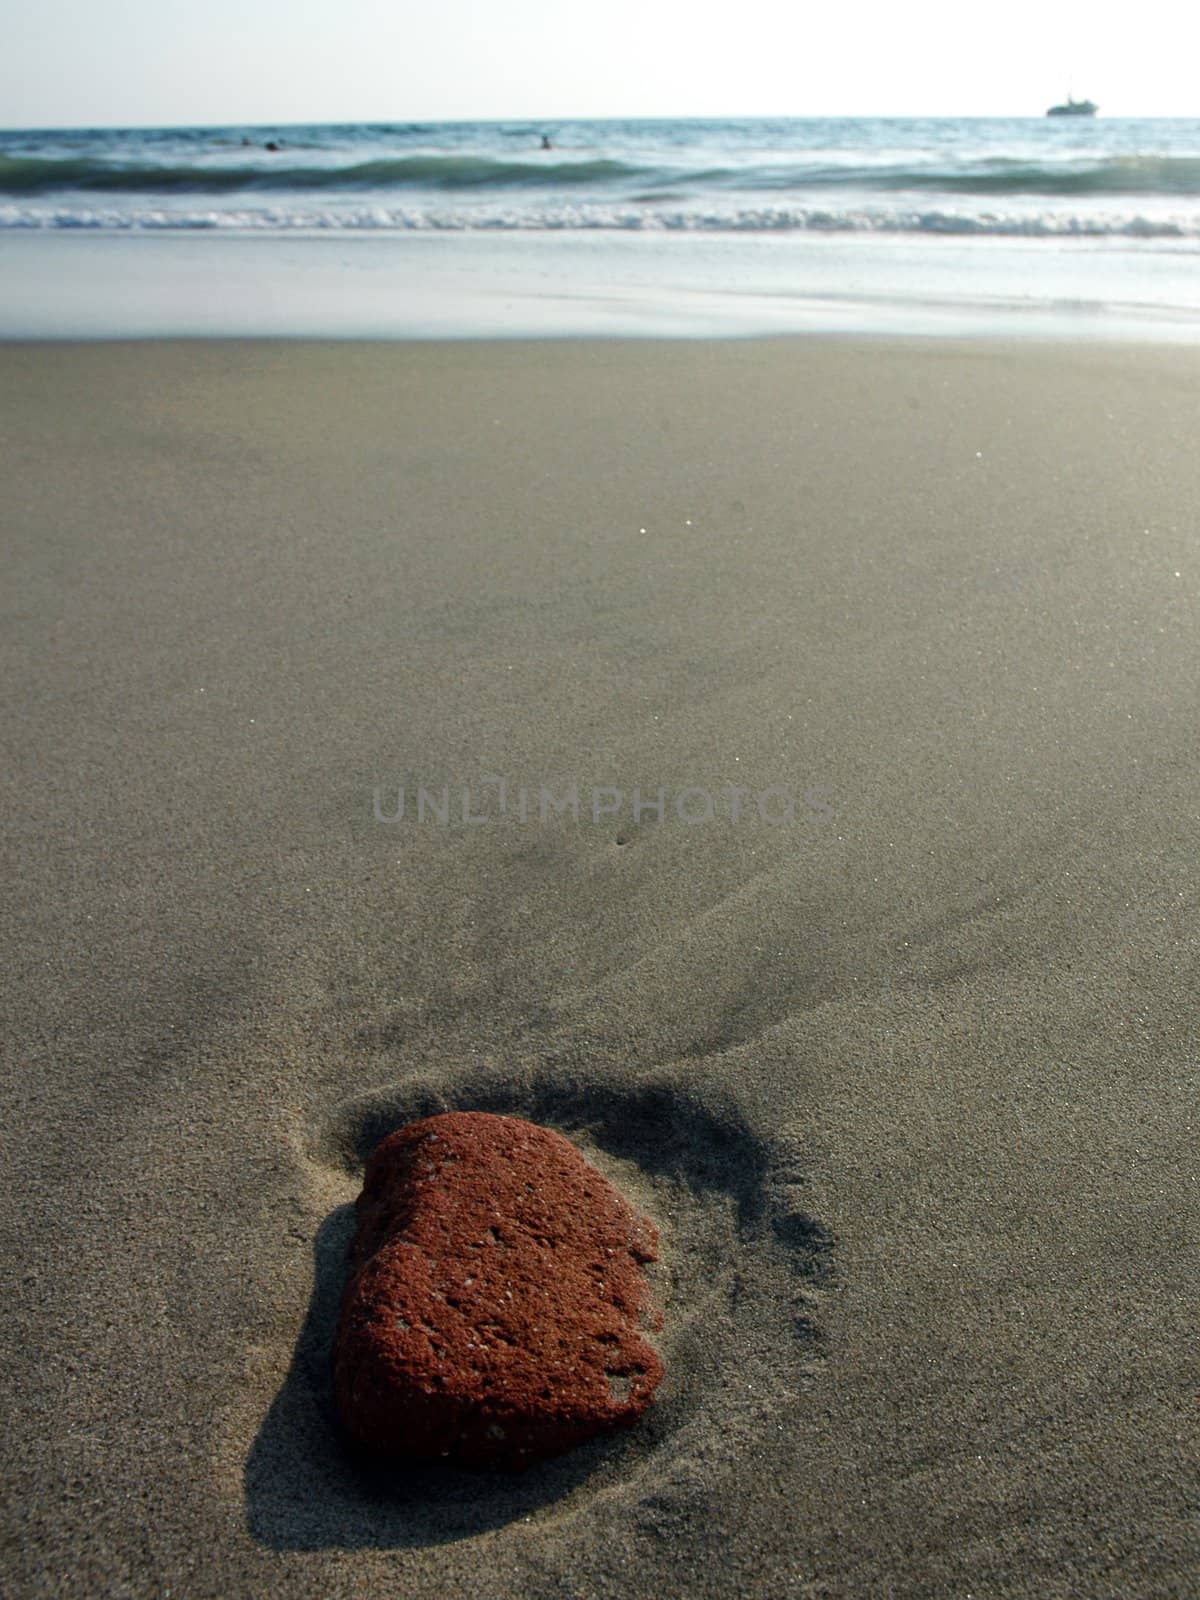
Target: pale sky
<point>75,63</point>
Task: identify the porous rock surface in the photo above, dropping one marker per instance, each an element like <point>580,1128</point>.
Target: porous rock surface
<point>497,1309</point>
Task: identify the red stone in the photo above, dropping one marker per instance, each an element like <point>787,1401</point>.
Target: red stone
<point>497,1308</point>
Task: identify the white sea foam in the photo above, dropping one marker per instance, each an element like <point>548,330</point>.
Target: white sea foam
<point>1031,223</point>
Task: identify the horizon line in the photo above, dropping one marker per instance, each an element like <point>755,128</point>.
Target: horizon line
<point>551,120</point>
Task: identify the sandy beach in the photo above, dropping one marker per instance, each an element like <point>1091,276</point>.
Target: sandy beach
<point>884,1010</point>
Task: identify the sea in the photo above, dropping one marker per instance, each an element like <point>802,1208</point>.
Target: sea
<point>1059,226</point>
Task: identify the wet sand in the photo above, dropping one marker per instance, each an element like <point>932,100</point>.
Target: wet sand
<point>902,1059</point>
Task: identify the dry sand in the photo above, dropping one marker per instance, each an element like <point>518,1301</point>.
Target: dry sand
<point>909,1083</point>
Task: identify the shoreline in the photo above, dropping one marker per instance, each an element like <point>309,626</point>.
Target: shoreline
<point>473,286</point>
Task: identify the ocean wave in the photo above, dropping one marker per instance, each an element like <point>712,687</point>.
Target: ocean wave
<point>779,219</point>
<point>1149,176</point>
<point>1116,175</point>
<point>25,175</point>
<point>35,175</point>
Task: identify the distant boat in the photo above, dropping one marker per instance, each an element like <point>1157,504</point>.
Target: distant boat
<point>1074,108</point>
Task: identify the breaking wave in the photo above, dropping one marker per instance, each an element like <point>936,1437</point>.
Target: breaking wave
<point>776,219</point>
<point>1011,177</point>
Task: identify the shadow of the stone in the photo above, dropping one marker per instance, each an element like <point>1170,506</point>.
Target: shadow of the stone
<point>305,1490</point>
